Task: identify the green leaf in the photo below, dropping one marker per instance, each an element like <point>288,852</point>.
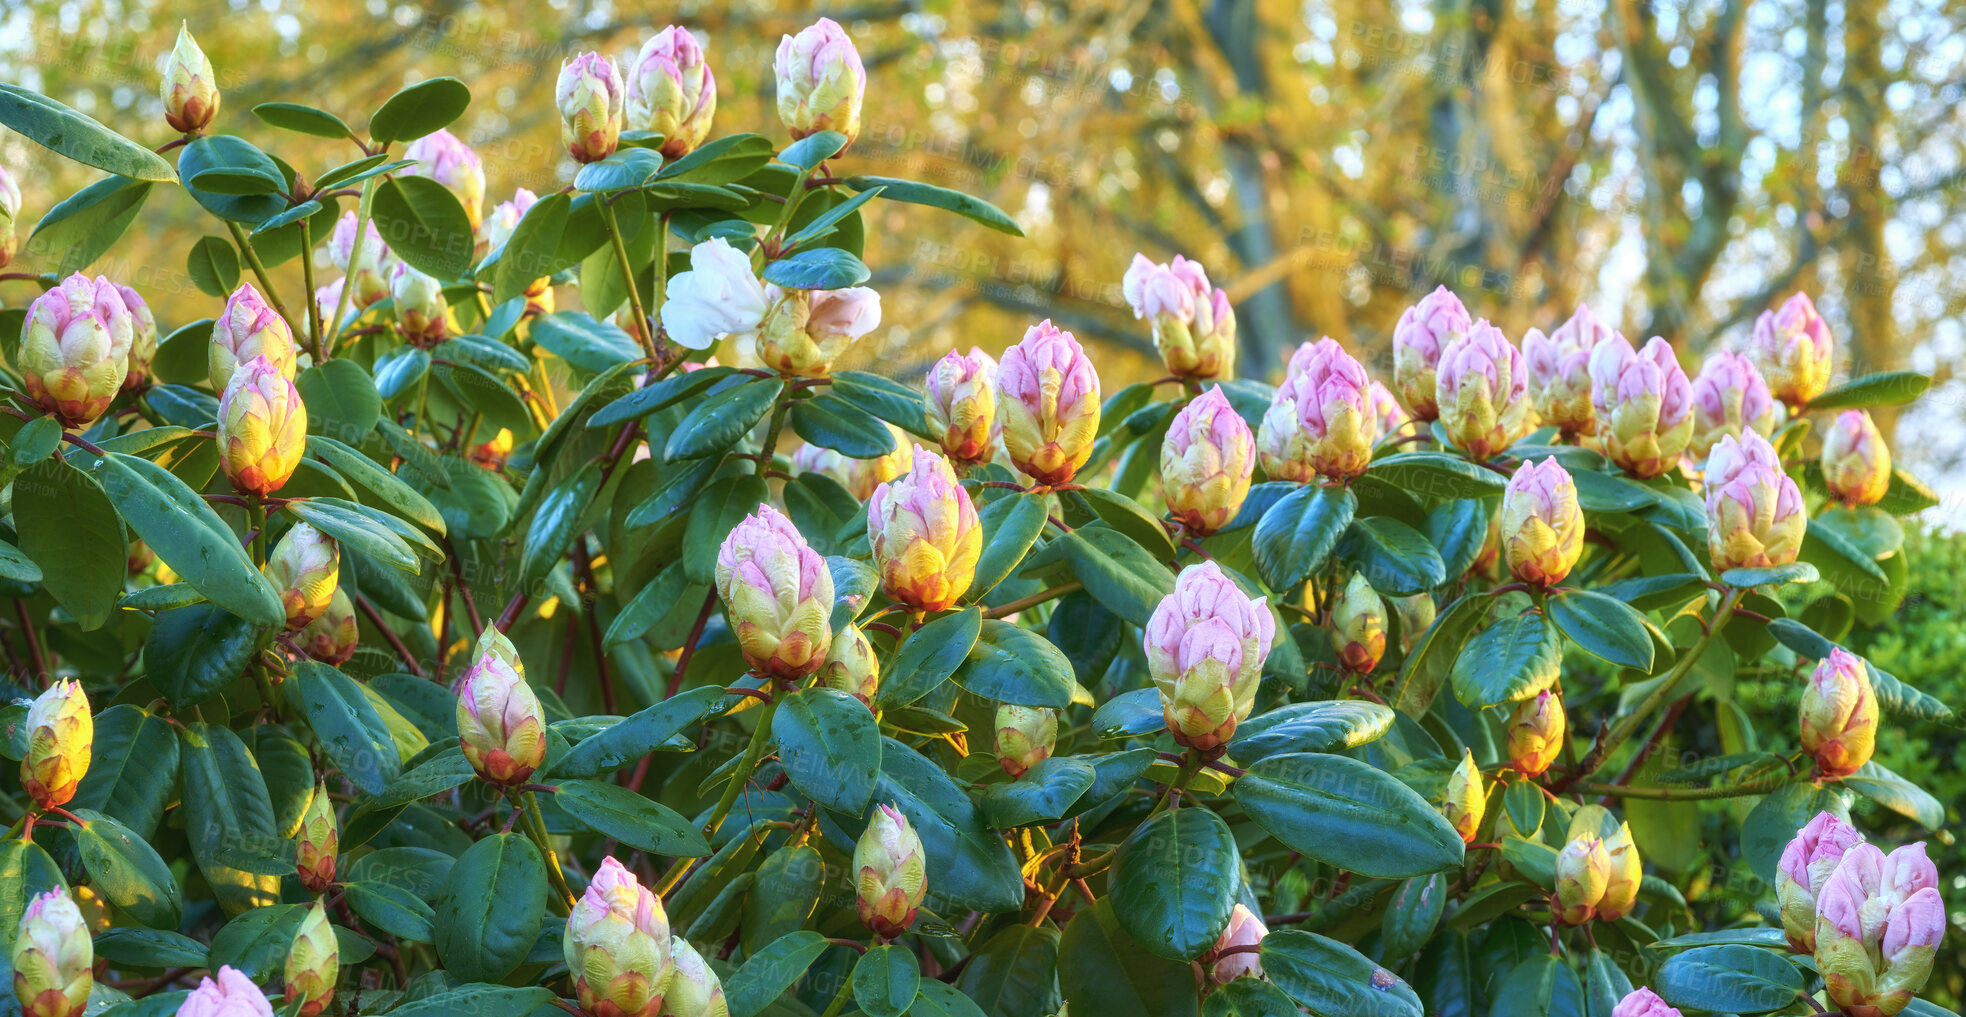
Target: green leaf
<point>1513,659</point>
<point>433,776</point>
<point>1349,814</point>
<point>969,865</point>
<point>78,136</point>
<point>341,716</point>
<point>1295,537</point>
<point>1394,557</point>
<point>725,160</point>
<point>1604,627</point>
<point>621,814</point>
<point>226,808</point>
<point>423,108</point>
<point>1118,573</point>
<point>341,400</point>
<point>489,910</point>
<point>885,981</point>
<point>146,948</point>
<point>133,768</point>
<point>829,421</point>
<point>625,169</point>
<point>556,522</point>
<point>531,251</point>
<point>808,152</point>
<point>345,522</point>
<point>769,972</point>
<point>1437,475</point>
<point>1174,881</point>
<point>127,871</point>
<point>1430,662</point>
<point>1009,664</point>
<point>928,657</point>
<point>177,524</point>
<point>634,737</point>
<point>1043,794</point>
<point>478,1000</point>
<point>392,909</point>
<point>962,204</point>
<point>1011,524</point>
<point>716,512</point>
<point>26,871</point>
<point>1102,969</point>
<point>70,530</point>
<point>1773,821</point>
<point>1884,388</point>
<point>1132,713</point>
<point>591,345</point>
<point>830,746</point>
<point>1730,979</point>
<point>424,225</point>
<point>722,417</point>
<point>1877,783</point>
<point>1774,575</point>
<point>214,267</point>
<point>1331,978</point>
<point>366,474</point>
<point>1304,727</point>
<point>86,224</point>
<point>1250,997</point>
<point>1412,913</point>
<point>232,179</point>
<point>1013,973</point>
<point>817,268</point>
<point>1523,803</point>
<point>292,116</point>
<point>885,398</point>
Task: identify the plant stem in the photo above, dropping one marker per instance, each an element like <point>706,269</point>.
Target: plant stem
<point>354,254</point>
<point>1625,728</point>
<point>627,276</point>
<point>536,829</point>
<point>41,674</point>
<point>364,605</point>
<point>259,272</point>
<point>313,307</point>
<point>771,435</point>
<point>256,521</point>
<point>1033,600</point>
<point>839,998</point>
<point>742,777</point>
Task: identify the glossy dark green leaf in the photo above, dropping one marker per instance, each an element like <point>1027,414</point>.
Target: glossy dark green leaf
<point>1306,727</point>
<point>1250,997</point>
<point>1014,972</point>
<point>1174,880</point>
<point>1511,660</point>
<point>78,136</point>
<point>1523,804</point>
<point>489,912</point>
<point>127,871</point>
<point>829,421</point>
<point>1130,713</point>
<point>792,879</point>
<point>1009,664</point>
<point>226,808</point>
<point>1885,388</point>
<point>392,909</point>
<point>177,524</point>
<point>1393,556</point>
<point>722,417</point>
<point>69,528</point>
<point>817,268</point>
<point>132,769</point>
<point>885,980</point>
<point>1349,814</point>
<point>1296,536</point>
<point>25,872</point>
<point>1011,524</point>
<point>1103,969</point>
<point>1412,913</point>
<point>346,723</point>
<point>423,108</point>
<point>341,399</point>
<point>213,265</point>
<point>293,116</point>
<point>371,477</point>
<point>830,746</point>
<point>813,149</point>
<point>1729,979</point>
<point>621,814</point>
<point>1604,627</point>
<point>770,971</point>
<point>636,736</point>
<point>232,179</point>
<point>928,657</point>
<point>714,514</point>
<point>914,193</point>
<point>193,653</point>
<point>969,865</point>
<point>146,948</point>
<point>1438,475</point>
<point>1046,792</point>
<point>1331,978</point>
<point>591,345</point>
<point>424,225</point>
<point>86,224</point>
<point>1118,573</point>
<point>480,1000</point>
<point>626,168</point>
<point>1605,984</point>
<point>1877,783</point>
<point>881,396</point>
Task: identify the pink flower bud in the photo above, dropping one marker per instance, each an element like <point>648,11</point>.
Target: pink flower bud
<point>820,81</point>
<point>1423,331</point>
<point>248,328</point>
<point>1358,626</point>
<point>590,96</point>
<point>1806,863</point>
<point>1205,645</point>
<point>1536,733</point>
<point>1754,510</point>
<point>890,873</point>
<point>1644,1003</point>
<point>262,428</point>
<point>53,958</point>
<point>1466,798</point>
<point>189,87</point>
<point>1644,405</point>
<point>672,92</point>
<point>75,348</point>
<point>499,722</point>
<point>1856,462</point>
<point>959,402</point>
<point>1792,346</point>
<point>1583,870</point>
<point>618,945</point>
<point>1320,422</point>
<point>718,296</point>
<point>228,994</point>
<point>1385,408</point>
<point>1729,398</point>
<point>1194,326</point>
<point>1839,714</point>
<point>1048,404</point>
<point>143,338</point>
<point>1542,524</point>
<point>804,331</point>
<point>778,593</point>
<point>1025,737</point>
<point>60,738</point>
<point>1879,920</point>
<point>443,157</point>
<point>1205,463</point>
<point>925,534</point>
<point>1559,370</point>
<point>1244,930</point>
<point>1482,391</point>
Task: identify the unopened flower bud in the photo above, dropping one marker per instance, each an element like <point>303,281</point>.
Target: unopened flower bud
<point>445,158</point>
<point>1626,871</point>
<point>319,842</point>
<point>1856,462</point>
<point>694,990</point>
<point>60,737</point>
<point>1644,405</point>
<point>422,312</point>
<point>1245,929</point>
<point>1194,326</point>
<point>1205,463</point>
<point>1805,866</point>
<point>9,215</point>
<point>262,428</point>
<point>1320,422</point>
<point>590,95</point>
<point>1644,1003</point>
<point>1754,510</point>
<point>332,638</point>
<point>1206,643</point>
<point>779,595</point>
<point>959,403</point>
<point>1729,399</point>
<point>1582,872</point>
<point>1536,733</point>
<point>804,331</point>
<point>859,476</point>
<point>1423,331</point>
<point>1048,404</point>
<point>369,270</point>
<point>1358,626</point>
<point>53,958</point>
<point>1542,524</point>
<point>313,962</point>
<point>228,994</point>
<point>248,328</point>
<point>1025,737</point>
<point>672,92</point>
<point>305,568</point>
<point>1839,714</point>
<point>1482,390</point>
<point>820,81</point>
<point>890,874</point>
<point>618,945</point>
<point>1559,370</point>
<point>925,534</point>
<point>1467,798</point>
<point>143,338</point>
<point>1416,615</point>
<point>718,296</point>
<point>1879,920</point>
<point>75,348</point>
<point>499,722</point>
<point>1792,347</point>
<point>189,87</point>
<point>851,666</point>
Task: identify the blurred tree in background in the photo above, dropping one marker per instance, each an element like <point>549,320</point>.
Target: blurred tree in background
<point>1681,166</point>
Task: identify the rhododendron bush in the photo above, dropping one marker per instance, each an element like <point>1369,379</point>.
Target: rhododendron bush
<point>415,643</point>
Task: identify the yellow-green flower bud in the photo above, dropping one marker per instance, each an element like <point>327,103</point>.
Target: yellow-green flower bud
<point>1206,462</point>
<point>1481,387</point>
<point>248,327</point>
<point>618,945</point>
<point>1206,643</point>
<point>189,87</point>
<point>318,842</point>
<point>1583,871</point>
<point>305,568</point>
<point>890,874</point>
<point>1856,462</point>
<point>925,534</point>
<point>804,331</point>
<point>778,593</point>
<point>851,666</point>
<point>1048,402</point>
<point>1467,799</point>
<point>1358,626</point>
<point>1025,737</point>
<point>1805,866</point>
<point>820,81</point>
<point>1839,714</point>
<point>314,962</point>
<point>1542,524</point>
<point>53,958</point>
<point>499,722</point>
<point>332,638</point>
<point>1644,405</point>
<point>1792,347</point>
<point>1878,925</point>
<point>1194,326</point>
<point>1536,733</point>
<point>262,428</point>
<point>694,989</point>
<point>75,348</point>
<point>60,736</point>
<point>1416,615</point>
<point>1625,872</point>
